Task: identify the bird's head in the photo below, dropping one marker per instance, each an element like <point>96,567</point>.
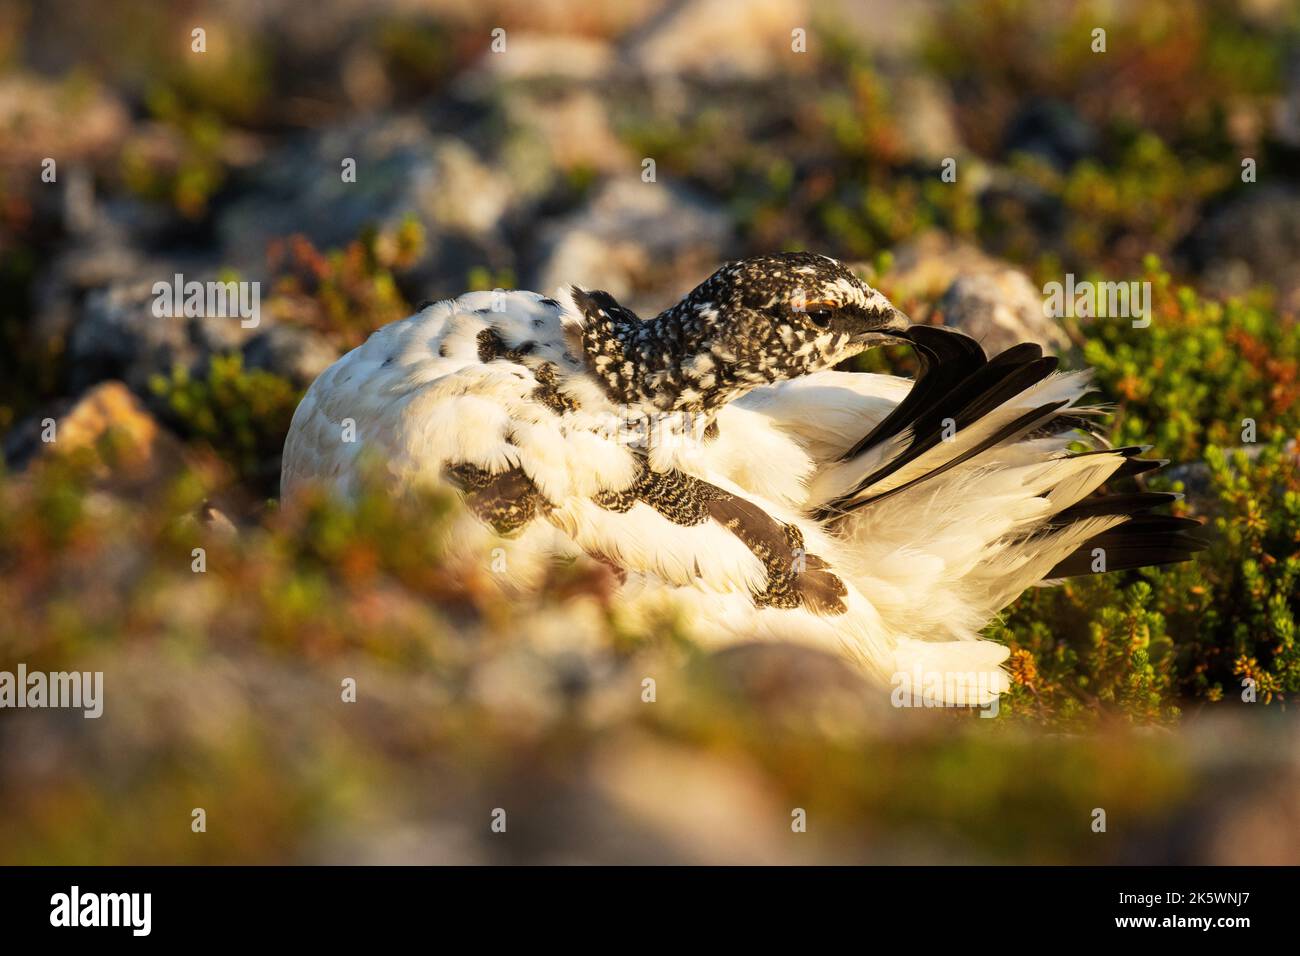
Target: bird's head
<point>752,322</point>
<point>780,316</point>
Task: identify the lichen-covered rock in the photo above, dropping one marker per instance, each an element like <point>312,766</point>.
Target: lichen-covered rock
<point>706,39</point>
<point>68,122</point>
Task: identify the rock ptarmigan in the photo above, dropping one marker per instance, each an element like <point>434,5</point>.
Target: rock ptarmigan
<point>713,457</point>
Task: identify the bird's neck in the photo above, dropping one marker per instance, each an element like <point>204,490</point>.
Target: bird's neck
<point>664,364</point>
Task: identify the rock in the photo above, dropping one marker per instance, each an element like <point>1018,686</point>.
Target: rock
<point>927,119</point>
<point>644,243</point>
<point>1252,239</point>
<point>884,27</point>
<point>96,298</point>
<point>537,56</point>
<point>401,169</point>
<point>571,126</point>
<point>716,41</point>
<point>67,122</point>
<point>140,449</point>
<point>984,297</point>
<point>294,353</point>
<point>925,266</point>
<point>118,336</point>
<point>1000,309</point>
<point>107,247</point>
<point>1051,130</point>
<point>1195,476</point>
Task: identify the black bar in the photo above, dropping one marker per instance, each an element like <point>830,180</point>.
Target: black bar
<point>980,905</point>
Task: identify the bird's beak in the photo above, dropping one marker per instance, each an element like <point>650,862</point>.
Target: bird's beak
<point>893,326</point>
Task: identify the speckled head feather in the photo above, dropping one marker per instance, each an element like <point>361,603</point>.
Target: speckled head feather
<point>752,322</point>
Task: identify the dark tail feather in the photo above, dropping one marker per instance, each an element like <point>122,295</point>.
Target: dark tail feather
<point>1139,543</point>
<point>956,381</point>
<point>1144,539</point>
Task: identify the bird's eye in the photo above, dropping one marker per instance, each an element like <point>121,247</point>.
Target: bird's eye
<point>820,317</point>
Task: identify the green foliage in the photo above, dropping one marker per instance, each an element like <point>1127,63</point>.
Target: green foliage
<point>181,163</point>
<point>1140,642</point>
<point>243,414</point>
<point>344,293</point>
<point>1198,372</point>
<point>830,163</point>
<point>1141,200</point>
<point>1172,65</point>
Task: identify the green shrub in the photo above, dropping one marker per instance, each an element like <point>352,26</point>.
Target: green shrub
<point>1205,628</point>
<point>344,293</point>
<point>243,414</point>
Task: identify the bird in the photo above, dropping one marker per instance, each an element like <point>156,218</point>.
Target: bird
<point>721,463</point>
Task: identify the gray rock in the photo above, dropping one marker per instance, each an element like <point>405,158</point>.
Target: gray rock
<point>1252,239</point>
<point>402,169</point>
<point>297,354</point>
<point>707,39</point>
<point>1000,309</point>
<point>105,246</point>
<point>1195,476</point>
<point>118,336</point>
<point>928,120</point>
<point>644,243</point>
